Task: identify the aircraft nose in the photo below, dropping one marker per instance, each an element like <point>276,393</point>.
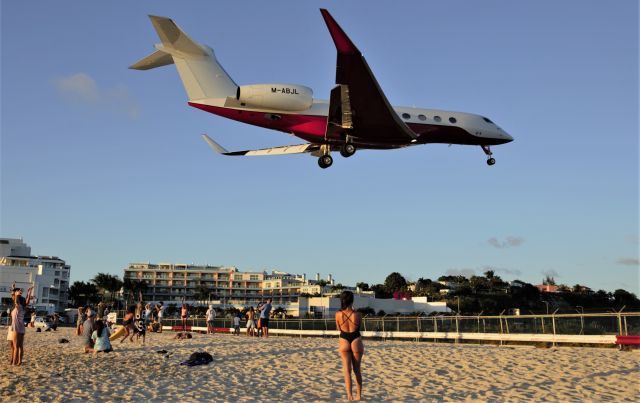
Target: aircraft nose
<point>508,137</point>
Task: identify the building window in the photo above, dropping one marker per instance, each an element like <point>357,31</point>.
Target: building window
<point>452,120</point>
<point>255,277</point>
<point>437,118</point>
<point>406,116</point>
<point>422,117</point>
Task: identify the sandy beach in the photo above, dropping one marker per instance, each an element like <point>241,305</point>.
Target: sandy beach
<point>308,369</point>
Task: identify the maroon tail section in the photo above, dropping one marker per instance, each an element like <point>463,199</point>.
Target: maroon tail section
<point>341,40</point>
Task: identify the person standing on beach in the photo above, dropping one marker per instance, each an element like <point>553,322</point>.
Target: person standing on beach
<point>350,343</point>
<point>184,313</point>
<point>79,321</point>
<point>251,321</point>
<point>87,331</point>
<point>17,329</point>
<point>236,324</point>
<point>211,316</point>
<point>147,315</point>
<point>160,311</point>
<point>264,318</point>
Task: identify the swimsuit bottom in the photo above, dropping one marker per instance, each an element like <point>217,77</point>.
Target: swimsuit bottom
<point>350,336</point>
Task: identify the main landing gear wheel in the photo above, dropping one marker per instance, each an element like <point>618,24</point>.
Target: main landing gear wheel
<point>487,150</point>
<point>325,161</point>
<point>347,150</point>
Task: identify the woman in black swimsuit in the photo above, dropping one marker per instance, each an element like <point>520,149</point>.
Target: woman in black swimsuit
<point>351,348</point>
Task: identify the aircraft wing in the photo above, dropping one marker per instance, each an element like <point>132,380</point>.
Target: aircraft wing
<point>295,149</point>
<point>358,106</point>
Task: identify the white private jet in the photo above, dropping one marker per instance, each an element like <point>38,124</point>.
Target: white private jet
<point>357,115</point>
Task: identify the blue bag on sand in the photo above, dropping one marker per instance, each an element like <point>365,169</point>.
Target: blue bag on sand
<point>199,358</point>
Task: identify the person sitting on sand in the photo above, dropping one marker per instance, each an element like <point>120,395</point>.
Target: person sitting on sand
<point>100,337</point>
<point>350,343</point>
<point>87,331</point>
<point>182,336</point>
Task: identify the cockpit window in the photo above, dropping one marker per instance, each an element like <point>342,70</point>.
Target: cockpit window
<point>487,120</point>
<point>406,116</point>
<point>452,120</point>
<point>422,117</point>
<point>437,118</point>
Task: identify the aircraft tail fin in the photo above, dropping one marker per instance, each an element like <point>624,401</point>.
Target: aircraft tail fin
<point>201,74</point>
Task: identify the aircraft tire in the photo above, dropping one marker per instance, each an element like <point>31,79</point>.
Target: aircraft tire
<point>325,161</point>
<point>491,161</point>
<point>347,150</point>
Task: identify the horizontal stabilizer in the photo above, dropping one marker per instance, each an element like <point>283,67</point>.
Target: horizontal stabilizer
<point>296,149</point>
<point>174,38</point>
<point>156,59</point>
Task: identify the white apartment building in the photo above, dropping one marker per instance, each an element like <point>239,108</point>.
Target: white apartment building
<point>173,282</point>
<point>49,275</point>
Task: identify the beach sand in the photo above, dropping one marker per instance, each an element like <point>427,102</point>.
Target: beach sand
<point>309,369</point>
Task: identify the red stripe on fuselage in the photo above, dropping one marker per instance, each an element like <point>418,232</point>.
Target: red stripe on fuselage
<point>309,127</point>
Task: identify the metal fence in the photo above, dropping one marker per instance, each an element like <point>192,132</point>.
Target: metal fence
<point>620,323</point>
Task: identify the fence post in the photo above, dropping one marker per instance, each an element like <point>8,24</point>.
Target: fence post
<point>457,328</point>
<point>435,327</point>
<point>398,322</point>
<point>553,324</point>
<point>501,329</point>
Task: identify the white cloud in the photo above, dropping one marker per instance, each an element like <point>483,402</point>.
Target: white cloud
<point>82,88</point>
<point>510,242</point>
<point>629,261</point>
<point>502,270</point>
<point>78,87</point>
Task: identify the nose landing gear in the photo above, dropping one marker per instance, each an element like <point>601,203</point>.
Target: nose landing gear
<point>325,161</point>
<point>487,151</point>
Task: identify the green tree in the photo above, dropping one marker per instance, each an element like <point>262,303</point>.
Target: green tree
<point>134,287</point>
<point>380,291</point>
<point>83,294</point>
<point>395,282</point>
<point>107,283</point>
<point>363,286</point>
<point>202,293</point>
<point>624,298</point>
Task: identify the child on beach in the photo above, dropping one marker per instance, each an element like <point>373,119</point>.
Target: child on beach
<point>100,337</point>
<point>236,324</point>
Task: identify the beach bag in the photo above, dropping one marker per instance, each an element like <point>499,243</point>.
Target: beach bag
<point>199,358</point>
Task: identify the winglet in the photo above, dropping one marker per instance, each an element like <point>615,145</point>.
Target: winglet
<point>216,147</point>
<point>341,40</point>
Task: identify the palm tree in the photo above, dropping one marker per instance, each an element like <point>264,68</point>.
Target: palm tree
<point>107,283</point>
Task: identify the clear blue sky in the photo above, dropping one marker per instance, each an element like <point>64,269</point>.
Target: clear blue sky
<point>103,166</point>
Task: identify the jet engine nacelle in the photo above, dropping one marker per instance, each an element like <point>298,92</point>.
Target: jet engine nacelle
<point>286,97</point>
